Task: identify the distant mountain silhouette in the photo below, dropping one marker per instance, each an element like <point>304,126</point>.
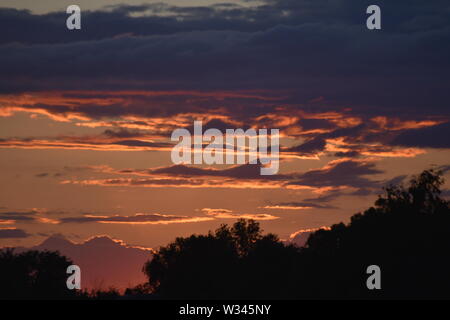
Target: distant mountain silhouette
<point>104,262</point>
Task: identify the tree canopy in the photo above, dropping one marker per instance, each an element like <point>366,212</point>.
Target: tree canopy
<point>33,275</point>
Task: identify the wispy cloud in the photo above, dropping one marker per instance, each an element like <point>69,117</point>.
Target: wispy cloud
<point>139,218</point>
<point>229,214</point>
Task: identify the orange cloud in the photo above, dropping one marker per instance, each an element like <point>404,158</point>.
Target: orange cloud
<point>282,207</point>
<point>229,214</point>
<point>7,221</point>
<point>137,219</point>
<point>183,183</point>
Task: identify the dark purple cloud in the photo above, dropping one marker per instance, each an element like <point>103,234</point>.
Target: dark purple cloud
<point>310,147</point>
<point>25,216</point>
<point>301,50</point>
<point>10,233</point>
<point>123,133</point>
<point>311,50</point>
<point>431,137</point>
<point>342,173</point>
<point>42,175</point>
<point>164,19</point>
<point>245,171</point>
<point>345,173</point>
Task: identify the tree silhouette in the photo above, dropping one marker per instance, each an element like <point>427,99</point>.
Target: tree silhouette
<point>33,275</point>
<point>223,264</point>
<point>406,234</point>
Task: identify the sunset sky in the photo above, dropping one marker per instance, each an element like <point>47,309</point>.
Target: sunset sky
<point>86,115</point>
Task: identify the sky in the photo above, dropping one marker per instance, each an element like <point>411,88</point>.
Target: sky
<point>86,115</point>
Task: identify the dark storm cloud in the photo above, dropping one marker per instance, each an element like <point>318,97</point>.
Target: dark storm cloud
<point>371,137</point>
<point>349,154</point>
<point>321,202</point>
<point>310,147</point>
<point>311,124</point>
<point>9,233</point>
<point>307,48</point>
<point>117,21</point>
<point>160,18</point>
<point>123,133</point>
<point>25,216</point>
<point>149,104</point>
<point>432,137</point>
<point>42,175</point>
<point>199,54</point>
<point>139,143</point>
<point>314,64</point>
<point>341,173</point>
<point>246,171</point>
<point>309,44</point>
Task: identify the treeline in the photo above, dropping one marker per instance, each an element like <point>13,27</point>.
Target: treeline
<point>406,233</point>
